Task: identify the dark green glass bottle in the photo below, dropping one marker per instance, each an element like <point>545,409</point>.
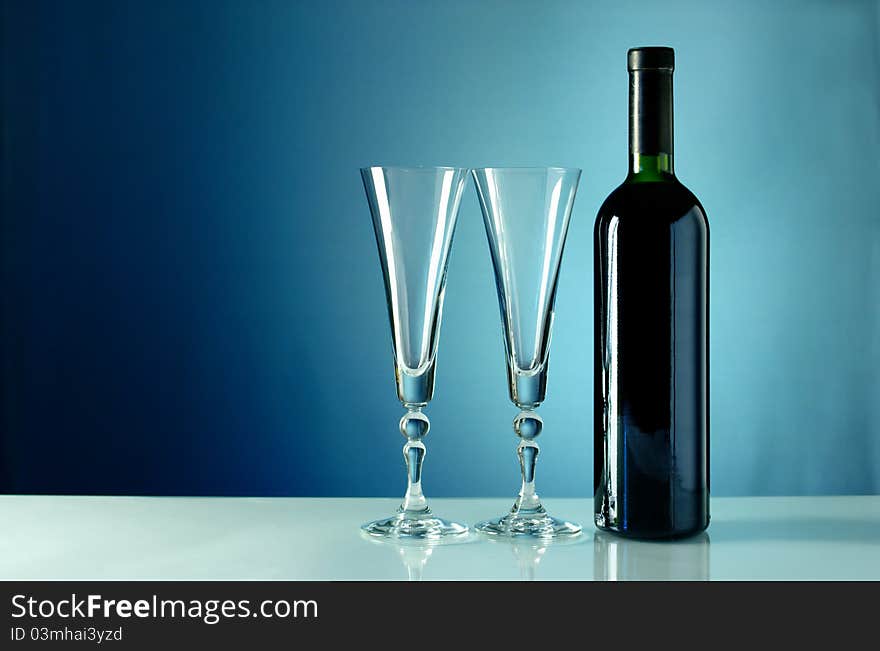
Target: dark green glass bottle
<point>651,370</point>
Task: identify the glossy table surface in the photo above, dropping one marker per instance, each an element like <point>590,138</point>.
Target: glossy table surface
<point>45,537</point>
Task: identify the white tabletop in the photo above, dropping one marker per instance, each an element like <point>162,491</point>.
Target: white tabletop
<point>318,539</point>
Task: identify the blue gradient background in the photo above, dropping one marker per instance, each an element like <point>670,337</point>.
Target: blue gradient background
<point>191,295</point>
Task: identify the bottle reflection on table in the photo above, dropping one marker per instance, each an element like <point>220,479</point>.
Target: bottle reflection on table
<point>622,559</point>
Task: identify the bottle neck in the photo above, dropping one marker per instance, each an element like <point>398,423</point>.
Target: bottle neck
<point>650,125</point>
<point>648,167</point>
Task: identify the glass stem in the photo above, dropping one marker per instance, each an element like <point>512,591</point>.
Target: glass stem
<point>414,426</point>
<point>527,426</point>
<point>528,456</point>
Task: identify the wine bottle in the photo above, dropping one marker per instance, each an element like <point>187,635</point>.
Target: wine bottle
<point>651,368</point>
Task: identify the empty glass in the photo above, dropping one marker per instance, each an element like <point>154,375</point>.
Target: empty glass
<point>526,213</point>
<point>414,213</point>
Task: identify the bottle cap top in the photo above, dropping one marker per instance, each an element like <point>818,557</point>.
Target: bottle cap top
<point>650,58</point>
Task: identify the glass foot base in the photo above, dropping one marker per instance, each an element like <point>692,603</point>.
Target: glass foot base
<point>409,526</point>
<point>536,524</point>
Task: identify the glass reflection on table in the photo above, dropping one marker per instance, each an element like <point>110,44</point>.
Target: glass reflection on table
<point>528,551</point>
<point>414,553</point>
